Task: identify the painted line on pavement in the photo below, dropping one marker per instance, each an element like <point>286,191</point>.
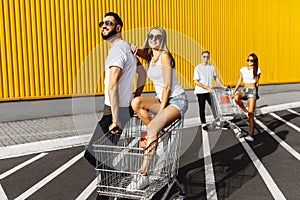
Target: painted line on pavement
<point>2,194</point>
<point>294,112</point>
<point>279,140</point>
<point>286,122</point>
<point>20,166</point>
<point>42,146</point>
<point>269,182</point>
<point>211,192</point>
<point>276,108</point>
<point>88,190</point>
<point>50,177</point>
<point>67,142</point>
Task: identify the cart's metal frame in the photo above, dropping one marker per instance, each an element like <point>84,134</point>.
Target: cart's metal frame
<point>227,109</point>
<point>118,164</point>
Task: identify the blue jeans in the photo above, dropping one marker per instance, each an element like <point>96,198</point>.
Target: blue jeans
<point>180,102</point>
<point>250,92</point>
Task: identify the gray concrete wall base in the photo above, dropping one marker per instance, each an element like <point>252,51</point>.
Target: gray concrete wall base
<point>22,110</point>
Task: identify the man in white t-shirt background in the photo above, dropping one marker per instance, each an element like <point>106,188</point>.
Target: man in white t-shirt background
<point>204,74</point>
<point>120,69</point>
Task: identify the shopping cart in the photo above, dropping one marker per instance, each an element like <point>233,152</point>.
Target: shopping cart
<point>118,164</point>
<point>226,109</point>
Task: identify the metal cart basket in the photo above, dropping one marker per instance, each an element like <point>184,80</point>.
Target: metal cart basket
<point>118,164</point>
<point>226,108</point>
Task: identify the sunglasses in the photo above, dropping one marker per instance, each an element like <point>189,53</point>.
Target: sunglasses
<point>205,56</point>
<point>250,60</point>
<point>107,23</point>
<point>155,37</point>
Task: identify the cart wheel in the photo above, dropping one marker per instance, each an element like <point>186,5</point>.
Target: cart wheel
<point>239,134</point>
<point>177,197</point>
<point>231,126</point>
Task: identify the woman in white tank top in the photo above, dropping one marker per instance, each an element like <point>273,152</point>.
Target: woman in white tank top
<point>249,75</point>
<point>170,102</point>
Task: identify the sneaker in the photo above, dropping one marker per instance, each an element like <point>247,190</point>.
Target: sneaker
<point>204,126</point>
<point>139,182</point>
<point>249,138</point>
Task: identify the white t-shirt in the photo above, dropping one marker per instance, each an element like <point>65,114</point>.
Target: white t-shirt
<point>156,76</point>
<point>121,56</point>
<point>205,75</point>
<point>248,74</point>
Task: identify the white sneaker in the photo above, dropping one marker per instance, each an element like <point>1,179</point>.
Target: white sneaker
<point>249,138</point>
<point>139,182</point>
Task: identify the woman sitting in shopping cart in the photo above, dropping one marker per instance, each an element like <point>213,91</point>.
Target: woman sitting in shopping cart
<point>250,76</point>
<point>170,102</point>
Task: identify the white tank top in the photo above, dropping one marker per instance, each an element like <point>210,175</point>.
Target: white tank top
<point>248,74</point>
<point>156,76</point>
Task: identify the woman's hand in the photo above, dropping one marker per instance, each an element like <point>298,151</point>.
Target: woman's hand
<point>134,48</point>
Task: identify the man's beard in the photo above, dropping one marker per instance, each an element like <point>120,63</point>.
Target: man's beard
<point>109,35</point>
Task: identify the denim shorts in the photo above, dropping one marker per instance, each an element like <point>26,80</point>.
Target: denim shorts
<point>250,92</point>
<point>180,102</point>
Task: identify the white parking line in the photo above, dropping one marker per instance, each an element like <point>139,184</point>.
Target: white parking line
<point>279,140</point>
<point>50,177</point>
<point>273,188</point>
<point>2,194</point>
<point>88,190</point>
<point>274,108</point>
<point>211,192</point>
<point>20,166</point>
<point>286,122</point>
<point>294,112</point>
<point>62,143</point>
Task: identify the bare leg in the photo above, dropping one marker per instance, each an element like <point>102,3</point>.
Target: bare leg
<point>251,107</point>
<point>161,120</point>
<point>143,105</point>
<point>239,102</point>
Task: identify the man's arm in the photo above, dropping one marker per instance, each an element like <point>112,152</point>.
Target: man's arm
<point>197,82</point>
<point>113,93</point>
<point>219,82</point>
<point>142,75</point>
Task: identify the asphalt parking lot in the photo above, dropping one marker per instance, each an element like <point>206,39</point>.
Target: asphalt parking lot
<point>267,168</point>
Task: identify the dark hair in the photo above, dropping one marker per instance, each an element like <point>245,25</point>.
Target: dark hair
<point>255,64</point>
<point>116,16</point>
<point>203,52</point>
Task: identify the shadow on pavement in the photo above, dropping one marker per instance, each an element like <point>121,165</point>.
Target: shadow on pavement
<point>232,168</point>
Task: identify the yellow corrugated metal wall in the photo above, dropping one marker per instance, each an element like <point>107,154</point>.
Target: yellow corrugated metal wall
<point>53,48</point>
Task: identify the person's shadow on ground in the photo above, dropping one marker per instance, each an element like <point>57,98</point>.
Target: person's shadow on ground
<point>232,167</point>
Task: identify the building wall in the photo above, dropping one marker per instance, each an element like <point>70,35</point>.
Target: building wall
<point>53,48</point>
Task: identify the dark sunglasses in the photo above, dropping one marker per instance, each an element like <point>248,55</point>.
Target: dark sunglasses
<point>249,60</point>
<point>155,37</point>
<point>205,56</point>
<point>107,23</point>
